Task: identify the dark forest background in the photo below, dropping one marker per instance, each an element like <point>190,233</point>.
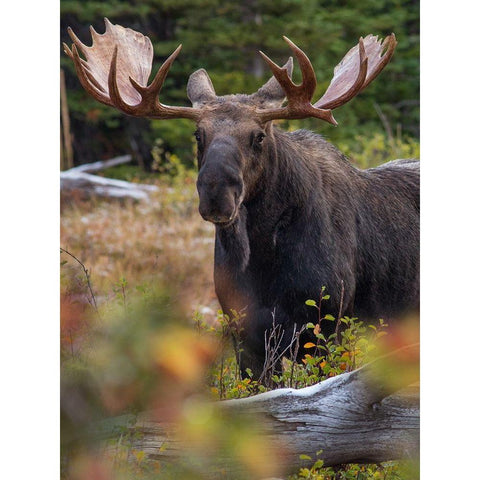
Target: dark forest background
<point>224,37</point>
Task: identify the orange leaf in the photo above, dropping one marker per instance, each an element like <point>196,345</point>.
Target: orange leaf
<point>309,345</point>
<point>307,356</point>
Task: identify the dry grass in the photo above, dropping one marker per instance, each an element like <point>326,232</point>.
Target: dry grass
<point>163,242</point>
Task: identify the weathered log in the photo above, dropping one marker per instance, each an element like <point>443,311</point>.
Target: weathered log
<point>369,415</point>
<point>102,164</point>
<point>81,178</point>
<point>358,417</point>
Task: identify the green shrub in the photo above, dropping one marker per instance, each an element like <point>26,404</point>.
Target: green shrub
<point>377,148</point>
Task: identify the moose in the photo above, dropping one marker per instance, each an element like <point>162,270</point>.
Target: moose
<point>291,213</point>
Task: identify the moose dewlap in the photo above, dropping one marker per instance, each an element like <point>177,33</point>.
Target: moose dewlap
<point>292,214</point>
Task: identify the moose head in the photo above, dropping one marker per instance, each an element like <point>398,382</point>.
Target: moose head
<point>234,132</point>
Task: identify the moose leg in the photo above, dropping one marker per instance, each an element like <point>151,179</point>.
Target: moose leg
<point>258,331</point>
<point>251,362</point>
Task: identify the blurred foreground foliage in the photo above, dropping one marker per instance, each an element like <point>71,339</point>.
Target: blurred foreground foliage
<point>224,38</point>
<point>138,351</point>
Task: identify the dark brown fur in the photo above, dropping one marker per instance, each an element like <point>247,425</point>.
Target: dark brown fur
<point>292,215</point>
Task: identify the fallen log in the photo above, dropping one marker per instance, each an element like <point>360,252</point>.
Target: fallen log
<point>81,178</point>
<point>101,164</point>
<point>369,415</point>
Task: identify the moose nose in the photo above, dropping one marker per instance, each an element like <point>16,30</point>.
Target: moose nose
<point>216,217</point>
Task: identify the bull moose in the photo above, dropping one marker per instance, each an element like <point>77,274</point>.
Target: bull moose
<point>291,213</point>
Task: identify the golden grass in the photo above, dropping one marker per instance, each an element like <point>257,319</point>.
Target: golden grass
<point>162,242</point>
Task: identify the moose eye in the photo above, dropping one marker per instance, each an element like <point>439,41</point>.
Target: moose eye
<point>259,138</point>
<point>199,136</point>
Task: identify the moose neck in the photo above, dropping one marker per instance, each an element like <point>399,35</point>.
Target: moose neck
<point>301,175</point>
<point>287,184</point>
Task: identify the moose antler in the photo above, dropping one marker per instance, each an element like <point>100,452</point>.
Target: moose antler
<point>116,72</point>
<point>356,70</point>
<point>118,64</point>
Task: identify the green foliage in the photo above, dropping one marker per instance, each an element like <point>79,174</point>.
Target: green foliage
<point>224,38</point>
<point>130,173</point>
<point>354,345</point>
<point>172,170</point>
<point>173,137</point>
<point>225,380</point>
<point>383,471</point>
<point>373,150</point>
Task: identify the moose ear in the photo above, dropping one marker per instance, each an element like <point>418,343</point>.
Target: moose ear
<point>200,88</point>
<point>271,94</point>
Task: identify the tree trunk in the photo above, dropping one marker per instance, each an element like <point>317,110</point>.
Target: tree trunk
<point>66,144</point>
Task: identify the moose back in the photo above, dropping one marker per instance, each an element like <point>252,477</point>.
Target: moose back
<point>292,214</point>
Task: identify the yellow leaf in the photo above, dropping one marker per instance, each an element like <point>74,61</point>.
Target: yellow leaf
<point>139,455</point>
<point>309,345</point>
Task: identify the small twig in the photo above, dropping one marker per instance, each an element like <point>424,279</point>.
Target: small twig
<point>320,309</point>
<point>221,379</point>
<point>273,344</point>
<point>294,357</point>
<point>385,123</point>
<point>124,296</point>
<point>293,339</point>
<point>87,276</point>
<point>115,457</point>
<point>340,312</point>
<point>399,132</point>
<point>407,103</point>
<point>71,342</point>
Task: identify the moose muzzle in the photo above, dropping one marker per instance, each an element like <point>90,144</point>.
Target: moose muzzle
<point>220,183</point>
